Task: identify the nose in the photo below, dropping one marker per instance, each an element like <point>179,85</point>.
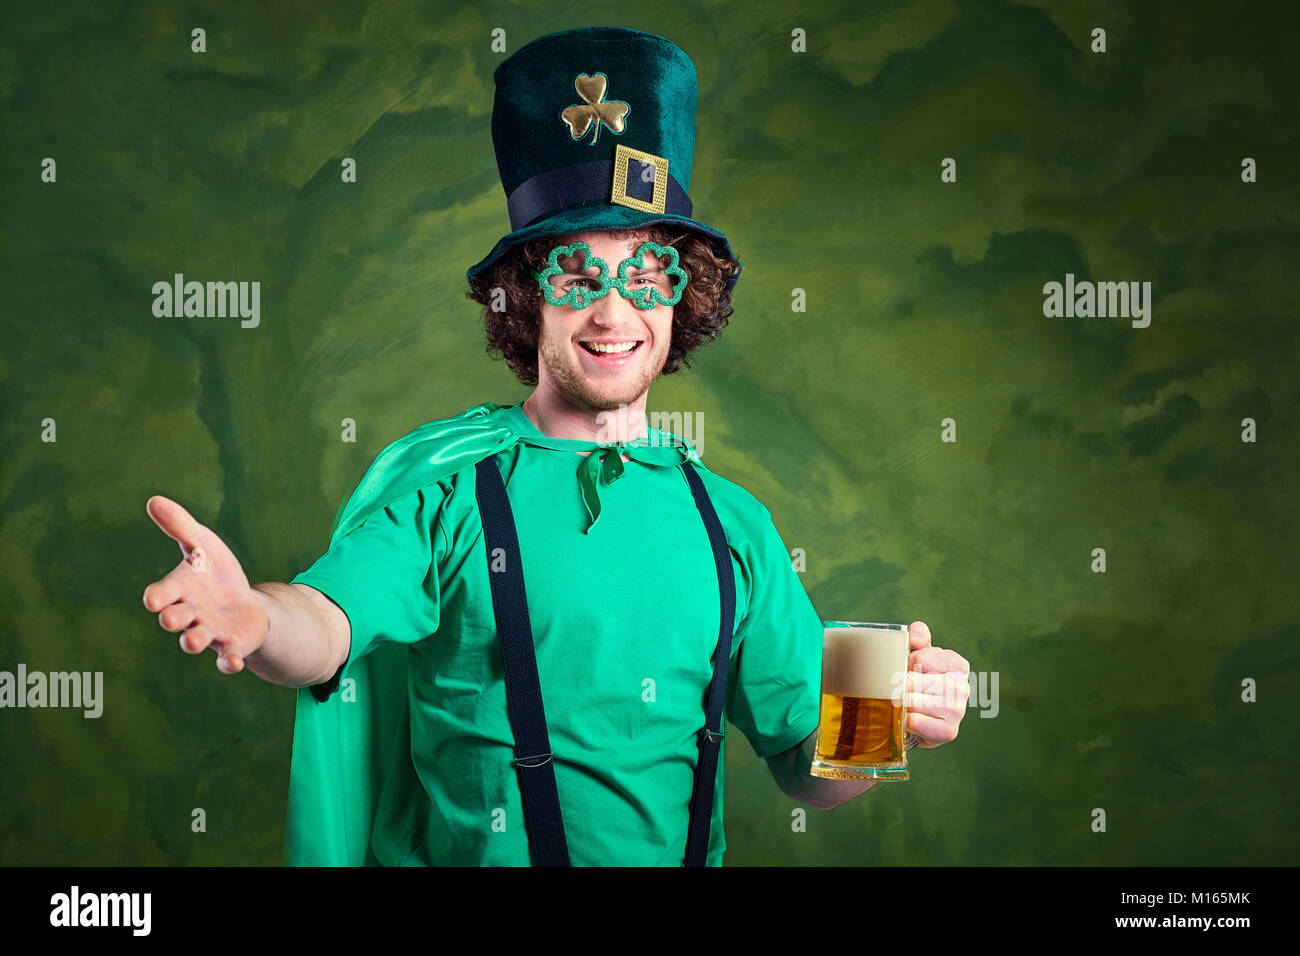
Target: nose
<point>613,310</point>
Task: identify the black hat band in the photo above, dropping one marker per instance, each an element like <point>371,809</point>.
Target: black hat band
<point>579,184</point>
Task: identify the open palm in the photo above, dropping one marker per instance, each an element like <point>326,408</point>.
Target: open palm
<point>206,597</point>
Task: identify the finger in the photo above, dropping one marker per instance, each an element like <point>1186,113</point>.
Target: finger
<point>943,659</point>
<point>919,634</point>
<point>175,522</point>
<point>177,617</point>
<point>931,729</point>
<point>162,593</point>
<point>952,689</point>
<point>937,683</point>
<point>196,639</point>
<point>929,660</point>
<point>230,664</point>
<point>957,688</point>
<point>942,705</point>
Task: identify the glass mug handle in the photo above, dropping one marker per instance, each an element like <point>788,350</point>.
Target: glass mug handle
<point>910,741</point>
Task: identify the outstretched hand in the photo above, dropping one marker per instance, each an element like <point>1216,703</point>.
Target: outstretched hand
<point>207,597</point>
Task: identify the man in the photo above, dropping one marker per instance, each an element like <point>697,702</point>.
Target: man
<point>518,645</point>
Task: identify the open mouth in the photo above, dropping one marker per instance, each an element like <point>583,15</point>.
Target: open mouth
<point>611,349</point>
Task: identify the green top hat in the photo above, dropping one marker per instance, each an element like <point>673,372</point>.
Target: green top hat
<point>594,129</point>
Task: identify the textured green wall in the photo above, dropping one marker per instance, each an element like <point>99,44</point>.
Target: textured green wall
<point>1119,690</point>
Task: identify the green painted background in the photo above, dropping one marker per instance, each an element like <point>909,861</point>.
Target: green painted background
<point>1118,690</point>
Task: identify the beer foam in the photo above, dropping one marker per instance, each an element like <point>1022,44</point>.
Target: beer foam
<point>863,662</point>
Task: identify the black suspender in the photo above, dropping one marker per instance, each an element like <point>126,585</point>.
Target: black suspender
<point>697,837</point>
<point>523,690</point>
<point>533,760</point>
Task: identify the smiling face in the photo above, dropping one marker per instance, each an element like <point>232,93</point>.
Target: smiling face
<point>607,354</point>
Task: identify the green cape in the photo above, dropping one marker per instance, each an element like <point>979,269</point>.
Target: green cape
<point>352,758</point>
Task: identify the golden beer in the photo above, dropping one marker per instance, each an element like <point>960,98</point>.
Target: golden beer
<point>861,732</point>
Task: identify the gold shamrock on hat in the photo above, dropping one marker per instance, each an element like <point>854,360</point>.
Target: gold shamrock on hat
<point>594,108</point>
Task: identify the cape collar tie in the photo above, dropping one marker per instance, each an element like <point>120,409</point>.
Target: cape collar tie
<point>605,463</point>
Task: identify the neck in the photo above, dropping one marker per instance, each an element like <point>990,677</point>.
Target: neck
<point>559,416</point>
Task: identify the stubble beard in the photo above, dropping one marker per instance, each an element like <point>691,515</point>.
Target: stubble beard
<point>572,383</point>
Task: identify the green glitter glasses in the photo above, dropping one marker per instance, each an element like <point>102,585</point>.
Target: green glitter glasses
<point>645,285</point>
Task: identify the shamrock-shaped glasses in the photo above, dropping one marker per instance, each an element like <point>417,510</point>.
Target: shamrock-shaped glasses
<point>644,284</point>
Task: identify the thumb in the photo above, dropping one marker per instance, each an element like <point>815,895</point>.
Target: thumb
<point>175,522</point>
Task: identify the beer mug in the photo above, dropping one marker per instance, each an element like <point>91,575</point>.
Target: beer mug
<point>862,731</point>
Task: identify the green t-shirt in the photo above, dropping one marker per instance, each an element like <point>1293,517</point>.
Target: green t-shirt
<point>624,615</point>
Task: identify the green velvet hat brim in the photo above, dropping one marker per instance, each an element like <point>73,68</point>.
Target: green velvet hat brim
<point>599,219</point>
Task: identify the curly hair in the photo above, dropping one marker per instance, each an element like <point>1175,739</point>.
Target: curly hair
<point>513,331</point>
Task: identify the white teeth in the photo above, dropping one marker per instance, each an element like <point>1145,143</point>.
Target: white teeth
<point>611,347</point>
